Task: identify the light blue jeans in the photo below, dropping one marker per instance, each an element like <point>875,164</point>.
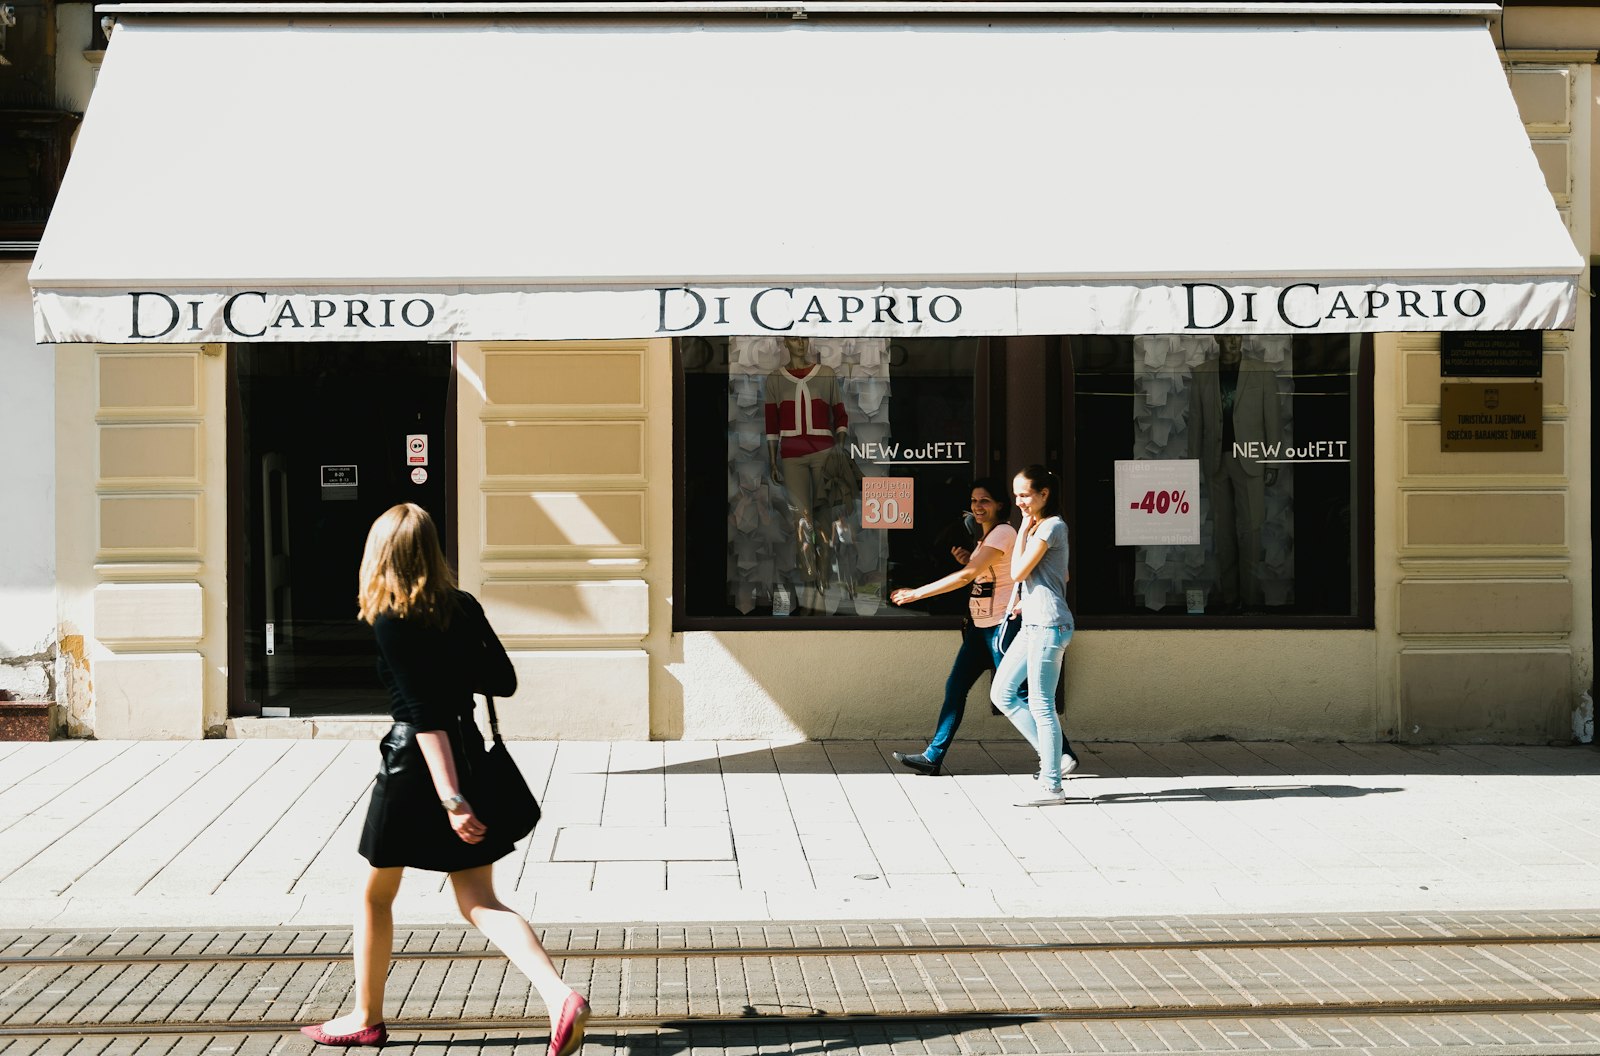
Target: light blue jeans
<point>1035,657</point>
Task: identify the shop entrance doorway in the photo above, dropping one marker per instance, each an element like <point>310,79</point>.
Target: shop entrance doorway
<point>322,438</point>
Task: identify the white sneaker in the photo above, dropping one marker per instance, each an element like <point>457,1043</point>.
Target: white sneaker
<point>1040,796</point>
<point>1068,765</point>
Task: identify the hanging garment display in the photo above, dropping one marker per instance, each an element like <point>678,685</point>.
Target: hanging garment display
<point>1167,369</point>
<point>796,544</point>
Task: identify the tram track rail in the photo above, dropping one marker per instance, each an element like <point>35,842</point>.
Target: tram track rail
<point>68,960</point>
<point>967,1018</point>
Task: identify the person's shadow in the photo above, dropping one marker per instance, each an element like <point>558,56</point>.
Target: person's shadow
<point>1224,792</point>
<point>763,1026</point>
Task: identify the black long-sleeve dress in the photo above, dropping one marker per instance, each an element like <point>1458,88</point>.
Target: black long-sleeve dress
<point>431,673</point>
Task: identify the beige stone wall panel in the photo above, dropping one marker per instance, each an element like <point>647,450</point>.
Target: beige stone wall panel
<point>153,526</point>
<point>565,518</point>
<point>555,378</point>
<point>149,696</point>
<point>1494,696</point>
<point>126,612</point>
<point>1484,521</point>
<point>1422,378</point>
<point>162,456</point>
<point>562,522</point>
<point>1424,458</point>
<point>555,610</point>
<point>1544,97</point>
<point>578,694</point>
<point>530,451</point>
<point>1485,606</point>
<point>142,537</point>
<point>1489,588</point>
<point>148,385</point>
<point>1555,161</point>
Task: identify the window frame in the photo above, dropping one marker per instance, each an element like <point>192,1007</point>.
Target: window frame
<point>1056,387</point>
<point>1363,526</point>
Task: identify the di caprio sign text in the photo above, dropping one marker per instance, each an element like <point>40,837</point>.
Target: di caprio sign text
<point>488,313</point>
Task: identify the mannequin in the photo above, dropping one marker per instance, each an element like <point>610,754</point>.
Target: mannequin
<point>805,421</point>
<point>806,426</point>
<point>1236,403</point>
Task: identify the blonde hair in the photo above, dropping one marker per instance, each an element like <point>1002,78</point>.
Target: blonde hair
<point>403,570</point>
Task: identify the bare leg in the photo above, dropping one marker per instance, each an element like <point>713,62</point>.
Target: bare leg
<point>510,934</point>
<point>372,944</point>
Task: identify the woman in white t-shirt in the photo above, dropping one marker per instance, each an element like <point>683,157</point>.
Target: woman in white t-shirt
<point>1039,566</point>
<point>987,630</point>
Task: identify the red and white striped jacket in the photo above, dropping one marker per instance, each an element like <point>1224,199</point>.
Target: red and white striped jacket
<point>803,410</point>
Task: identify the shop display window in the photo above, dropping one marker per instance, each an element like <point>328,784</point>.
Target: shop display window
<point>1208,480</point>
<point>1274,432</point>
<point>818,473</point>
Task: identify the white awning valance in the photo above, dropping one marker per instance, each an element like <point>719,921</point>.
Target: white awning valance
<point>291,179</point>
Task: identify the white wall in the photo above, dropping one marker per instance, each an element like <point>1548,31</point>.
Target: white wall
<point>29,628</point>
<point>74,74</point>
<point>27,495</point>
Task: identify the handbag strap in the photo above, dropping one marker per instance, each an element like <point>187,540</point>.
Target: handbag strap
<point>494,720</point>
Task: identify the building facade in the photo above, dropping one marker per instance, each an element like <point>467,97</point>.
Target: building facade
<point>48,55</point>
<point>666,466</point>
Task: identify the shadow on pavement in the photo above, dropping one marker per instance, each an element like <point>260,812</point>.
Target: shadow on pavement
<point>1214,758</point>
<point>828,1033</point>
<point>1217,793</point>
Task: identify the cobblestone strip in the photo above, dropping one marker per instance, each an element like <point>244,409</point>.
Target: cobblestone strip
<point>1244,929</point>
<point>448,990</point>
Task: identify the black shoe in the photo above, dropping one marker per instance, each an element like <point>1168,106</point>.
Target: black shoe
<point>920,763</point>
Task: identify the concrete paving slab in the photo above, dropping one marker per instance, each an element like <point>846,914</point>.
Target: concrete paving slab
<point>642,843</point>
<point>264,832</point>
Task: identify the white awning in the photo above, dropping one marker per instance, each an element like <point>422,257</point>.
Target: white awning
<point>298,179</point>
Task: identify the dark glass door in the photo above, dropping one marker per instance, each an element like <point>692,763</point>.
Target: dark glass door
<point>322,439</point>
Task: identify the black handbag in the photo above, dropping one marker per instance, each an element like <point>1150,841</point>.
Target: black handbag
<point>499,794</point>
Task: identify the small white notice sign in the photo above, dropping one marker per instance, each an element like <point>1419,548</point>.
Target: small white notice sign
<point>1158,502</point>
<point>417,449</point>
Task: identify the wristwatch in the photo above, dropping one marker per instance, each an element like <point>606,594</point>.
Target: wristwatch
<point>454,804</point>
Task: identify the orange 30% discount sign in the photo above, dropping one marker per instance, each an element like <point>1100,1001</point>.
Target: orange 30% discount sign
<point>886,502</point>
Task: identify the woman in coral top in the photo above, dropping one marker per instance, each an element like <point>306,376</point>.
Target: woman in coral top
<point>988,629</point>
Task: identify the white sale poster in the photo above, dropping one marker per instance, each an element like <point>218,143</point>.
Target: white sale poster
<point>1158,502</point>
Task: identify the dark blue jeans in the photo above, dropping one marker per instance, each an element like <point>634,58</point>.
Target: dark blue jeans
<point>981,649</point>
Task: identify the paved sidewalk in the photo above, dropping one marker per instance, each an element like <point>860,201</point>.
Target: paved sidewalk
<point>263,832</point>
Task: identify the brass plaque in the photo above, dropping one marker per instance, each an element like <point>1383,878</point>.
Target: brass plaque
<point>1489,417</point>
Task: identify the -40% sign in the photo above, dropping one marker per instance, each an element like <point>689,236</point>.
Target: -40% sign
<point>1152,505</point>
<point>1162,502</point>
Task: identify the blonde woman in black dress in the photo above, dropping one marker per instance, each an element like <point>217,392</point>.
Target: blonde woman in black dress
<point>435,649</point>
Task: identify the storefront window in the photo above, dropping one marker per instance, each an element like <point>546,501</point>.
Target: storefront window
<point>817,473</point>
<point>1256,513</point>
<point>1208,480</point>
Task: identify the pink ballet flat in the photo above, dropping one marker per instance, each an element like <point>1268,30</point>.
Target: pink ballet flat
<point>376,1035</point>
<point>568,1035</point>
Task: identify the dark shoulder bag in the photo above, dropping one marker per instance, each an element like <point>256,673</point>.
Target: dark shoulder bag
<point>499,794</point>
